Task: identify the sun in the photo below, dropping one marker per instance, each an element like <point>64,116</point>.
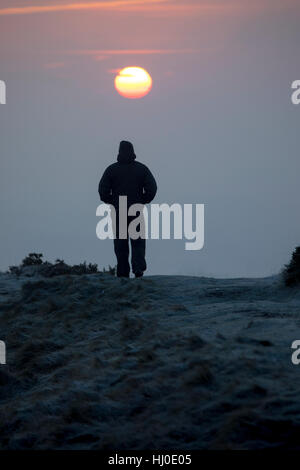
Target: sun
<point>133,82</point>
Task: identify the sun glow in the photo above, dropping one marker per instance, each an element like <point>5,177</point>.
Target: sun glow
<point>133,82</point>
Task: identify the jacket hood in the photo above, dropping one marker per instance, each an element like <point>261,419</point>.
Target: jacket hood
<point>126,152</point>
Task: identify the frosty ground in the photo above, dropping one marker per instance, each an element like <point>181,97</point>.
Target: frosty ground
<point>163,362</point>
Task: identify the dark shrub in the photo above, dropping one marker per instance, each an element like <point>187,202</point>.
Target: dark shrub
<point>34,264</point>
<point>291,273</point>
<point>33,259</point>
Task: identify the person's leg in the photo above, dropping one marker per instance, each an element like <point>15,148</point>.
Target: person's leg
<point>138,262</point>
<point>122,253</point>
<point>121,247</point>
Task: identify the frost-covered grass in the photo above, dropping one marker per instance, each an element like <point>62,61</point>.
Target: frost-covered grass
<point>163,362</point>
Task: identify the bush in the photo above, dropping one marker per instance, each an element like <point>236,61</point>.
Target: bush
<point>34,264</point>
<point>291,273</point>
<point>33,259</point>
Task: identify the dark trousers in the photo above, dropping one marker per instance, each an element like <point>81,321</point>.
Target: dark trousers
<point>138,249</point>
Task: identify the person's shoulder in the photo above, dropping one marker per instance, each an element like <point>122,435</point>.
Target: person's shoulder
<point>141,165</point>
<point>112,166</point>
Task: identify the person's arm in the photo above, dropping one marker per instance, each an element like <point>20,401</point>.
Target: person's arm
<point>105,187</point>
<point>150,187</point>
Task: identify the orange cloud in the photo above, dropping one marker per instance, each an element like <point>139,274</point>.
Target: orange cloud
<point>77,6</point>
<point>164,7</point>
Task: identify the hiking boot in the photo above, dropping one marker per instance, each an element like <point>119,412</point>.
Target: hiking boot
<point>139,274</point>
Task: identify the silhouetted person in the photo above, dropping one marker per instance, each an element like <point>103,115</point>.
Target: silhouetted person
<point>133,179</point>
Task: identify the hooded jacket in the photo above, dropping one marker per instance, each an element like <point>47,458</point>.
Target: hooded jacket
<point>127,177</point>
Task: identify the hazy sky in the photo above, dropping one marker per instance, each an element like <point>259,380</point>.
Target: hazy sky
<point>218,126</point>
